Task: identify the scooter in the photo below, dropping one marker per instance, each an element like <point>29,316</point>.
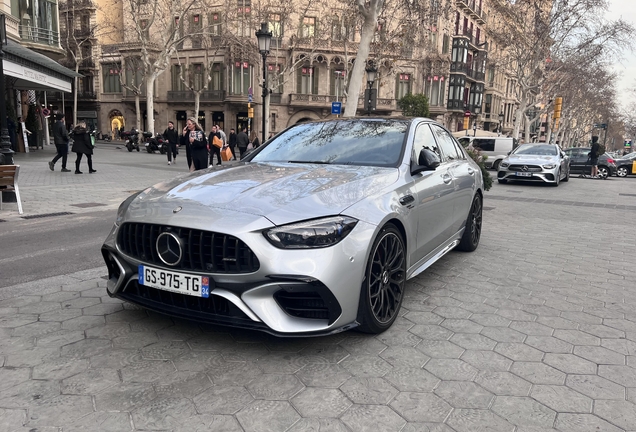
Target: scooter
<point>154,143</point>
<point>132,139</point>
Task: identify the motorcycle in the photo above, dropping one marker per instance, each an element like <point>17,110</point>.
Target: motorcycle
<point>154,143</point>
<point>132,139</point>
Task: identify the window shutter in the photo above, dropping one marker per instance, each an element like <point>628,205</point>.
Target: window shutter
<point>299,79</point>
<point>314,90</point>
<point>397,86</point>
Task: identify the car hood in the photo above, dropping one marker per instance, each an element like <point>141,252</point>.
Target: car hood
<point>280,192</point>
<point>532,159</point>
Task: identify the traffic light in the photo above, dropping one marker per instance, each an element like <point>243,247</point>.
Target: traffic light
<point>558,102</point>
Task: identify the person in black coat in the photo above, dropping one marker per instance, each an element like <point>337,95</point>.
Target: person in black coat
<point>171,135</point>
<point>232,143</point>
<point>82,146</point>
<point>193,138</point>
<point>60,138</point>
<point>242,141</point>
<point>214,150</point>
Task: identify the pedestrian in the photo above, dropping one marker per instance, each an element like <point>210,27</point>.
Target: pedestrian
<point>60,139</point>
<point>242,141</point>
<point>171,135</point>
<point>215,136</point>
<point>594,154</point>
<point>121,132</point>
<point>193,138</point>
<point>254,140</point>
<point>82,146</point>
<point>232,143</point>
<point>11,128</point>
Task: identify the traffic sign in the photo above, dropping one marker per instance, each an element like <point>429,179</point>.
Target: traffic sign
<point>628,143</point>
<point>249,98</point>
<point>336,108</point>
<point>250,112</point>
<point>600,125</point>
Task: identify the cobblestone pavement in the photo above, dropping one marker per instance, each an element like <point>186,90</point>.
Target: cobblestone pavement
<point>534,331</point>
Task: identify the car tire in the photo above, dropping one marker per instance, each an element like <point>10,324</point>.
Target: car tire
<point>502,181</point>
<point>495,165</point>
<point>557,179</point>
<point>603,172</point>
<point>621,171</point>
<point>382,290</point>
<point>567,176</point>
<point>472,232</point>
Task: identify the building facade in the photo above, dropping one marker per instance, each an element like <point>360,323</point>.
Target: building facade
<point>447,59</point>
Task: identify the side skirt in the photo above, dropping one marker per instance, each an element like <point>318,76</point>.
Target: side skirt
<point>434,256</point>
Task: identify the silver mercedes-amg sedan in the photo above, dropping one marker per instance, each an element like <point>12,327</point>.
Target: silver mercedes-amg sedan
<point>544,163</point>
<point>316,232</point>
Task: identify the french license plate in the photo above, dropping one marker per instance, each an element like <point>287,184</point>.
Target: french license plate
<point>523,174</point>
<point>198,286</point>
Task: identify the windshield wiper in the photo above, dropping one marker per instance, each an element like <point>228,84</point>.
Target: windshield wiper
<point>309,162</point>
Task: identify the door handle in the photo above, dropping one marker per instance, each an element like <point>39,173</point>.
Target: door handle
<point>407,199</point>
<point>447,178</point>
<point>471,171</point>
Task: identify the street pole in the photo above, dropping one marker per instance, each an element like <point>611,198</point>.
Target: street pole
<point>265,91</point>
<point>6,154</point>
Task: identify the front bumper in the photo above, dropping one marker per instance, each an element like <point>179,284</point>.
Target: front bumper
<point>290,292</point>
<point>532,173</point>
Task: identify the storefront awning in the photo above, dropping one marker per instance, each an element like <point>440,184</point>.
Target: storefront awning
<point>34,71</point>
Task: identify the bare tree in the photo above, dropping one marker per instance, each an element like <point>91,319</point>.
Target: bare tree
<point>533,38</point>
<point>131,77</point>
<point>158,28</point>
<point>79,31</point>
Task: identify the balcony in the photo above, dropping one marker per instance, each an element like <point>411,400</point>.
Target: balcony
<point>473,8</point>
<point>39,35</point>
<point>464,68</point>
<point>188,96</point>
<point>324,44</point>
<point>86,95</point>
<point>76,5</point>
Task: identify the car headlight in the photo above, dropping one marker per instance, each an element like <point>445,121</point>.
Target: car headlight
<point>504,164</point>
<point>317,233</point>
<point>549,166</point>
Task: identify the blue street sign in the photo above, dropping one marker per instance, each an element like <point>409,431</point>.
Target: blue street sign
<point>249,97</point>
<point>336,108</point>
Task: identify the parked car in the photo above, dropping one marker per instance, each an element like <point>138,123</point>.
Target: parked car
<point>496,148</point>
<point>580,162</point>
<point>626,165</point>
<point>315,232</point>
<point>544,163</point>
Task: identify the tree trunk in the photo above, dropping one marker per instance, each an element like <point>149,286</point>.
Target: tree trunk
<point>150,101</point>
<point>74,96</point>
<point>526,129</point>
<point>197,104</point>
<point>355,82</point>
<point>138,111</point>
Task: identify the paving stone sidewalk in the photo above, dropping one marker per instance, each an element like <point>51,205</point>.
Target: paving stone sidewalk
<point>535,331</point>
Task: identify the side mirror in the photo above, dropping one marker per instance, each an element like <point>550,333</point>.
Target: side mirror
<point>427,161</point>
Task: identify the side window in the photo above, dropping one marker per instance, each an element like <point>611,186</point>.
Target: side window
<point>446,143</point>
<point>485,144</point>
<point>460,151</point>
<point>424,139</point>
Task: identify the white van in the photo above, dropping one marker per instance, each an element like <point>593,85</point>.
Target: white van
<point>496,148</point>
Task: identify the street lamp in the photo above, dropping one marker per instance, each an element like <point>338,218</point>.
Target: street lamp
<point>501,119</point>
<point>6,154</point>
<point>264,37</point>
<point>371,71</point>
<point>475,126</point>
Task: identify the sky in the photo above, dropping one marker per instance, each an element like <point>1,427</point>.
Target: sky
<point>626,67</point>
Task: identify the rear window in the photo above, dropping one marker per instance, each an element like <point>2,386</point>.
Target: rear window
<point>484,144</point>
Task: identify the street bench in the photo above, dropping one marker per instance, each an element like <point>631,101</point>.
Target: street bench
<point>9,183</point>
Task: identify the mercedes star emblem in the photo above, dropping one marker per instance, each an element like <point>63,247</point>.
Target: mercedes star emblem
<point>524,168</point>
<point>177,210</point>
<point>169,248</point>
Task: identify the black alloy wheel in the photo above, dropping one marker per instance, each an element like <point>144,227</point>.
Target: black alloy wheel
<point>472,232</point>
<point>383,286</point>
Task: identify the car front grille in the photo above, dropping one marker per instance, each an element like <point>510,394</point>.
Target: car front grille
<point>211,310</point>
<point>528,168</point>
<point>203,251</point>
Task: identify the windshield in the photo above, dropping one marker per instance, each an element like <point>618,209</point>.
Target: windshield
<point>540,150</point>
<point>342,142</point>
